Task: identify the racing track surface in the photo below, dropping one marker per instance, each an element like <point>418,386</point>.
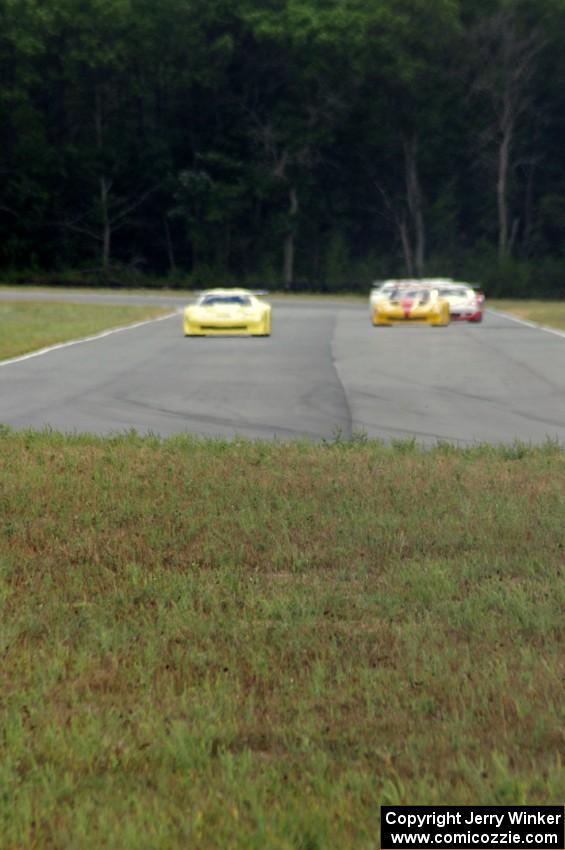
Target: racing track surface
<point>325,370</point>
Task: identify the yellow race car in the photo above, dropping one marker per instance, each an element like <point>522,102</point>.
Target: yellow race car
<point>227,312</point>
<point>418,305</point>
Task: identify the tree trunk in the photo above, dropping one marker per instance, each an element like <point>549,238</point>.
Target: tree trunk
<point>288,261</point>
<point>105,185</point>
<point>513,234</point>
<point>528,210</point>
<point>106,226</point>
<point>406,247</point>
<point>420,239</point>
<point>170,250</point>
<point>289,244</point>
<point>414,202</point>
<point>502,193</point>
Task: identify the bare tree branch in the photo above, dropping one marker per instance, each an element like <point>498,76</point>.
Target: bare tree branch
<point>505,63</point>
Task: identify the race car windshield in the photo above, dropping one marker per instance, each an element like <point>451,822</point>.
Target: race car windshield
<point>421,295</point>
<point>211,300</point>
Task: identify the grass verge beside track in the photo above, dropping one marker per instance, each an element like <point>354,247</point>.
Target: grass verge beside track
<point>549,313</point>
<point>30,325</point>
<point>251,645</point>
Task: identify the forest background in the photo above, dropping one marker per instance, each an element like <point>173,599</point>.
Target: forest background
<point>311,145</point>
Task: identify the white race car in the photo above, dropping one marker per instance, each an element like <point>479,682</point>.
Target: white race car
<point>465,304</point>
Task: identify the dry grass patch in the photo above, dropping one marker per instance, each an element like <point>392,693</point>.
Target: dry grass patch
<point>549,313</point>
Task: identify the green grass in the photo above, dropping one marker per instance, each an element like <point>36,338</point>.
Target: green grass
<point>248,645</point>
<point>30,325</point>
<point>550,313</point>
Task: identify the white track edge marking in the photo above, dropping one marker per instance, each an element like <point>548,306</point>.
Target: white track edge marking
<point>554,331</point>
<point>70,342</point>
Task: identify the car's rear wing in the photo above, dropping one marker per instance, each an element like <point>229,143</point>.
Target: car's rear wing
<point>476,286</point>
<point>252,291</point>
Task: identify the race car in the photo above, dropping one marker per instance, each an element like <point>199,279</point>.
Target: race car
<point>465,303</point>
<point>382,289</point>
<point>227,312</point>
<point>417,304</point>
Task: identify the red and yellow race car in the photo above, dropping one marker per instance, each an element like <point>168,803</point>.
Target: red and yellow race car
<point>416,305</point>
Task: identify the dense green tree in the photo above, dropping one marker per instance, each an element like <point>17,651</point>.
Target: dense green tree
<point>313,143</point>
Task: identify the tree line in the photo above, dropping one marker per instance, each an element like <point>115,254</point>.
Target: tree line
<point>310,144</point>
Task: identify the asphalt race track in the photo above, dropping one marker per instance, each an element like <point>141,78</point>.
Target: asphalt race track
<point>325,371</point>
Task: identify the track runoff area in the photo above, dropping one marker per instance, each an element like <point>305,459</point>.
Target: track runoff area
<point>472,827</point>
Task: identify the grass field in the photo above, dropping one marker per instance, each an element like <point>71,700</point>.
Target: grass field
<point>27,326</point>
<point>549,313</point>
<point>253,646</point>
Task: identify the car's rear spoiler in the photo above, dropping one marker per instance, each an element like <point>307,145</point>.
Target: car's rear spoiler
<point>253,291</point>
<point>476,286</point>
